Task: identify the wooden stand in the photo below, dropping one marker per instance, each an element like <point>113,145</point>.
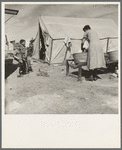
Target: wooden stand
<point>79,66</point>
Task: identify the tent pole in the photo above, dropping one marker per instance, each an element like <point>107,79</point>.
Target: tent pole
<point>39,39</point>
<point>107,45</point>
<point>51,51</point>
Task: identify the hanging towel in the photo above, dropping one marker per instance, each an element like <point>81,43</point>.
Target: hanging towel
<point>66,41</point>
<point>86,44</point>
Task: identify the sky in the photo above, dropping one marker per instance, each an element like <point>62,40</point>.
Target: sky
<point>25,24</point>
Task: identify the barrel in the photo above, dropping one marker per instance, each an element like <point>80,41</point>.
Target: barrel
<point>9,61</point>
<point>80,58</point>
<point>113,55</point>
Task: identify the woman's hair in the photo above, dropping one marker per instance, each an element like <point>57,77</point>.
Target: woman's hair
<point>21,41</point>
<point>86,27</point>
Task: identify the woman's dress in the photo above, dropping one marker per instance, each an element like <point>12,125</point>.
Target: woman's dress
<point>95,57</point>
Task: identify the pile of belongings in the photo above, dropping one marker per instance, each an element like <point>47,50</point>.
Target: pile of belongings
<point>42,73</point>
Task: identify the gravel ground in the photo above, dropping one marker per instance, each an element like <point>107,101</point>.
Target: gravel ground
<point>59,94</point>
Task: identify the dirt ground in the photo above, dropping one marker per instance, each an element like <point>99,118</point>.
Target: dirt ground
<point>58,93</point>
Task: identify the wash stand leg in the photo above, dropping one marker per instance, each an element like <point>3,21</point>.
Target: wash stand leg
<point>79,72</point>
<point>67,68</point>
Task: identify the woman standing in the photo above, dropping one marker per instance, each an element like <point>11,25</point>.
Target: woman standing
<point>95,57</point>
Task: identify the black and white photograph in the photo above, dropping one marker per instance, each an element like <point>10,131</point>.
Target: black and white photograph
<point>61,58</point>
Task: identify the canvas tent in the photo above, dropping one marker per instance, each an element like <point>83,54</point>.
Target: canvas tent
<point>54,32</point>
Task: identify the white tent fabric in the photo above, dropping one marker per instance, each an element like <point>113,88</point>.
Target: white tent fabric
<point>113,45</point>
<point>36,46</point>
<point>59,28</point>
<point>71,26</point>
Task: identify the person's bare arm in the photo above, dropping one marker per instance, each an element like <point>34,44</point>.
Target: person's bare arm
<point>85,36</point>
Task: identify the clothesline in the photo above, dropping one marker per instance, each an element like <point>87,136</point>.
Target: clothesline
<point>109,38</point>
<point>81,39</point>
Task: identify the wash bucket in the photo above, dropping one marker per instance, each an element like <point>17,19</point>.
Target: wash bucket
<point>113,55</point>
<point>80,58</point>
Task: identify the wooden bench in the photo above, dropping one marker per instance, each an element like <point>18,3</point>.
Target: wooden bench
<point>79,66</point>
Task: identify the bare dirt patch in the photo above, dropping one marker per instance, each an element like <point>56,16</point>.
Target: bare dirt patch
<point>59,94</point>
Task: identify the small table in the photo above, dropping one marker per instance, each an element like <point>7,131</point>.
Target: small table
<point>79,66</point>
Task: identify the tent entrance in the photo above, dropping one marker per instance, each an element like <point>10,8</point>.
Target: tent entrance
<point>42,45</point>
